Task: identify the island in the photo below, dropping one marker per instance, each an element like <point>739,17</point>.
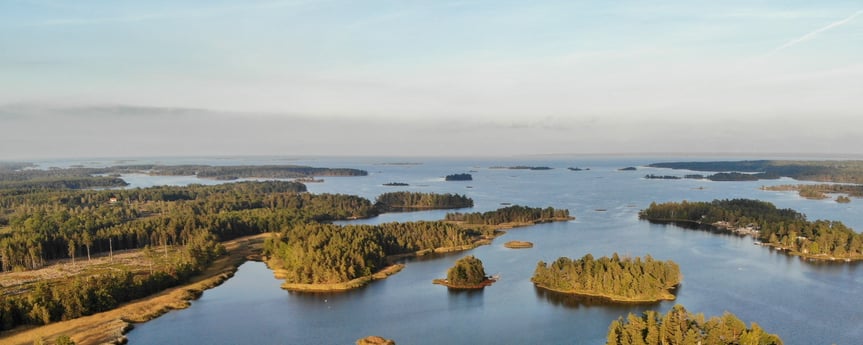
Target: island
<point>522,167</point>
<point>459,177</point>
<point>412,201</point>
<point>375,340</point>
<point>576,169</point>
<point>661,177</point>
<point>514,215</point>
<point>518,245</point>
<point>615,279</point>
<point>842,199</point>
<point>628,169</point>
<point>466,274</point>
<point>678,326</point>
<point>396,184</point>
<point>785,230</point>
<point>839,171</point>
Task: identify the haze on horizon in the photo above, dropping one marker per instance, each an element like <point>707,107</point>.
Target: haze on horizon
<point>431,78</point>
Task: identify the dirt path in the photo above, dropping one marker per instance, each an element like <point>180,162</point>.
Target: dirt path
<point>109,326</point>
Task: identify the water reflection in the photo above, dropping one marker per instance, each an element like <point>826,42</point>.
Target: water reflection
<point>578,301</point>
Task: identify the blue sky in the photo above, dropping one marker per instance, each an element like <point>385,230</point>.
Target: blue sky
<point>569,76</point>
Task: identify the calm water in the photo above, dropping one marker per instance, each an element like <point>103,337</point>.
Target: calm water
<point>804,303</point>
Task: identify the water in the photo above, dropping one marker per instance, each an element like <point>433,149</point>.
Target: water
<point>804,303</point>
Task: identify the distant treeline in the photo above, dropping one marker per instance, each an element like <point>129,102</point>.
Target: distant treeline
<point>406,201</point>
<point>511,214</point>
<point>683,328</point>
<point>20,176</point>
<point>781,228</point>
<point>617,279</point>
<point>825,171</point>
<point>326,253</point>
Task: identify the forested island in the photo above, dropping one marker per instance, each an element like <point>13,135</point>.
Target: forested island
<point>845,171</point>
<point>396,184</point>
<point>679,326</point>
<point>819,191</point>
<point>783,229</point>
<point>467,274</point>
<point>311,257</point>
<point>628,169</point>
<point>522,167</point>
<point>459,177</point>
<point>661,177</point>
<point>410,201</point>
<point>512,214</point>
<point>629,280</point>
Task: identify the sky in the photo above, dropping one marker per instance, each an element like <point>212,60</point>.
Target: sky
<point>123,78</point>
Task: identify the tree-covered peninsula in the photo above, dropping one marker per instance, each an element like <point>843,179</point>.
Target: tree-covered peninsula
<point>616,279</point>
<point>783,229</point>
<point>681,327</point>
<point>410,201</point>
<point>819,191</point>
<point>467,273</point>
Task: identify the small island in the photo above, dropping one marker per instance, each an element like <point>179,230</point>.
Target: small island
<point>842,199</point>
<point>518,245</point>
<point>661,177</point>
<point>467,274</point>
<point>396,184</point>
<point>628,169</point>
<point>375,340</point>
<point>459,177</point>
<point>412,201</point>
<point>679,326</point>
<point>576,169</point>
<point>616,279</point>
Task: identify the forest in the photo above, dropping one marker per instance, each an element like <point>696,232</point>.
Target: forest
<point>325,253</point>
<point>681,327</point>
<point>784,229</point>
<point>824,171</point>
<point>618,279</point>
<point>511,214</point>
<point>408,201</point>
<point>183,227</point>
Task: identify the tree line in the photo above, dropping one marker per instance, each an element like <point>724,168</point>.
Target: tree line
<point>782,228</point>
<point>511,214</point>
<point>616,278</point>
<point>681,327</point>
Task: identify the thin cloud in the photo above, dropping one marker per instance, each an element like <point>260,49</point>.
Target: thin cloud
<point>195,13</point>
<point>815,33</point>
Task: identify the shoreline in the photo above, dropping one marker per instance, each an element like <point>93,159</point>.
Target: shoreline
<point>110,327</point>
<point>480,286</point>
<point>612,298</point>
<point>721,227</point>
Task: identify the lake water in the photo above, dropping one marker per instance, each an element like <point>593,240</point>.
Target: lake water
<point>804,303</point>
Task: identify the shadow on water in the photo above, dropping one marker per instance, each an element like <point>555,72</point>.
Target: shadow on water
<point>578,301</point>
<point>465,298</point>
